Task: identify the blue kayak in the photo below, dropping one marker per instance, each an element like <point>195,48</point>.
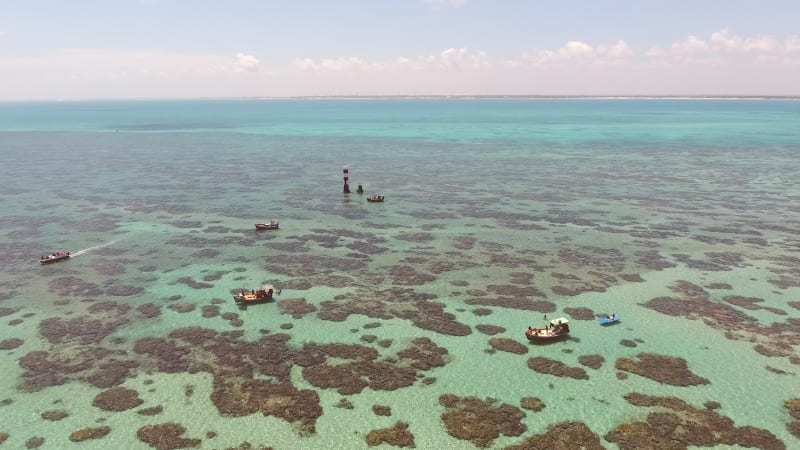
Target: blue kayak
<point>608,320</point>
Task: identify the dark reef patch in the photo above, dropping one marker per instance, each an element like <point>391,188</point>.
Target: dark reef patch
<point>480,421</point>
<point>508,345</point>
<point>491,330</point>
<point>678,425</point>
<point>166,436</point>
<point>564,435</point>
<point>548,366</point>
<point>664,369</point>
<point>592,361</point>
<point>11,344</point>
<point>581,313</point>
<point>117,399</point>
<point>85,434</point>
<point>397,435</point>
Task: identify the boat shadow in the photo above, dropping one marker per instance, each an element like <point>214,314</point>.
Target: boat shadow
<point>563,340</point>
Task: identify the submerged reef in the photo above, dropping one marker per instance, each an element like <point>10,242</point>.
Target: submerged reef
<point>557,368</point>
<point>480,421</point>
<point>678,425</point>
<point>397,435</point>
<point>565,435</point>
<point>664,369</point>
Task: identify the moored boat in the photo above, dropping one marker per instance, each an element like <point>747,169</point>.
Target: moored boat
<point>264,294</point>
<point>55,257</point>
<point>375,198</point>
<point>272,225</point>
<point>555,330</point>
<point>609,320</point>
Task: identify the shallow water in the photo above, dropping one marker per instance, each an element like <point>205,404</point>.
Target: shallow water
<point>678,215</point>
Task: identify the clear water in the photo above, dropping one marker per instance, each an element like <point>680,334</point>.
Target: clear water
<point>547,199</point>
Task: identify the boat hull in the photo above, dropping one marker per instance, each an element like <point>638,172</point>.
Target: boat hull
<point>606,321</point>
<point>54,259</point>
<point>546,337</point>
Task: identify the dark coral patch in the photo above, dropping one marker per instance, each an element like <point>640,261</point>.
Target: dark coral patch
<point>85,330</point>
<point>564,435</point>
<point>685,426</point>
<point>382,410</point>
<point>182,307</point>
<point>117,399</point>
<point>592,361</point>
<point>123,291</point>
<point>532,403</point>
<point>664,369</point>
<point>750,303</point>
<point>34,442</point>
<point>11,344</point>
<point>152,411</point>
<point>297,307</point>
<point>580,313</point>
<point>194,284</point>
<point>85,434</point>
<point>397,435</point>
<point>548,366</point>
<point>55,415</point>
<point>237,397</point>
<point>149,310</point>
<point>508,345</point>
<point>166,436</point>
<point>491,330</point>
<point>396,302</point>
<point>480,421</point>
<point>512,297</point>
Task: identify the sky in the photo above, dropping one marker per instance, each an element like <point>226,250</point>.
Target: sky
<point>140,49</point>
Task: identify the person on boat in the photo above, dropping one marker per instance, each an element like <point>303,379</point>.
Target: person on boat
<point>613,316</point>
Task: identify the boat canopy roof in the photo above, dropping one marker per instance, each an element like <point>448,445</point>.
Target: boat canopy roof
<point>559,321</point>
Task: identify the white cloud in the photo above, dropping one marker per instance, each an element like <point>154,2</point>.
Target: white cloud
<point>246,63</point>
<point>450,59</point>
<point>724,40</point>
<point>692,44</point>
<point>654,52</point>
<point>792,43</point>
<point>618,50</point>
<point>752,64</point>
<point>462,58</point>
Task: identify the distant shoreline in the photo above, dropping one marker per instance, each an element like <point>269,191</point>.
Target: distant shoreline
<point>500,97</point>
<point>432,97</point>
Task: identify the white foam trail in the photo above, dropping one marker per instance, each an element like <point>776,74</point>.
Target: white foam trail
<point>86,250</point>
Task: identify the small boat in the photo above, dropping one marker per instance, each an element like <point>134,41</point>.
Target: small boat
<point>609,320</point>
<point>55,257</point>
<point>265,294</point>
<point>272,225</point>
<point>375,198</point>
<point>557,329</point>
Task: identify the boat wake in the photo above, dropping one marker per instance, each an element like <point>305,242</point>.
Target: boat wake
<point>87,250</point>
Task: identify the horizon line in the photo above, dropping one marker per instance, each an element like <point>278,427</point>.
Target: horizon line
<point>430,96</point>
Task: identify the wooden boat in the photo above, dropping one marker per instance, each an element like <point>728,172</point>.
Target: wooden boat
<point>375,198</point>
<point>609,320</point>
<point>272,225</point>
<point>557,329</point>
<point>265,294</point>
<point>55,257</point>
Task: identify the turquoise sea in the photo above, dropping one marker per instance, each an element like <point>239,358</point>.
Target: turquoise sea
<point>401,323</point>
